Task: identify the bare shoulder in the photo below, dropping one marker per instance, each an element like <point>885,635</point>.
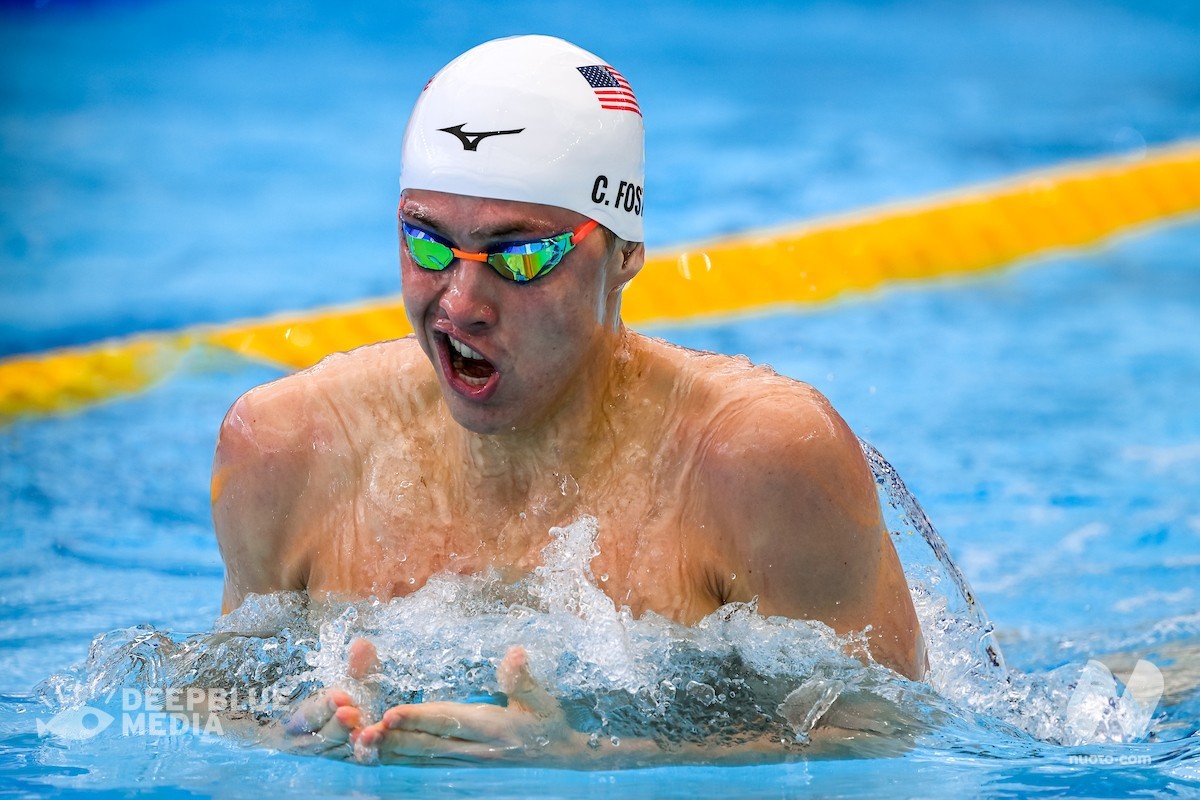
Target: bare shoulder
<point>317,409</point>
<point>301,430</point>
<point>780,440</point>
<point>746,415</point>
<point>782,482</point>
<point>785,491</point>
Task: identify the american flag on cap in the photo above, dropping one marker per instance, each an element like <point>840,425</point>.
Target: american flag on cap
<point>611,88</point>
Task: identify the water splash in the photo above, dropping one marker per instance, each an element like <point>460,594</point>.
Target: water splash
<point>733,677</point>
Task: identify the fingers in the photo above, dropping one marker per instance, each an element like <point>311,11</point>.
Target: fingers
<point>474,732</point>
<point>330,724</point>
<point>363,659</point>
<point>314,713</point>
<point>401,746</point>
<point>322,725</point>
<point>337,731</point>
<point>429,721</point>
<point>397,746</point>
<point>469,723</point>
<point>517,682</point>
<point>349,716</point>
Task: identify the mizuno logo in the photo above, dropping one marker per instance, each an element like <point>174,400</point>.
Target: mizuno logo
<point>471,139</point>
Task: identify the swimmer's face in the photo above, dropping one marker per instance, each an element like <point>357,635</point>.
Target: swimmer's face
<point>507,354</point>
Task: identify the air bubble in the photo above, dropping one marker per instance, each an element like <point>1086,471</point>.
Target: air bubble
<point>702,692</point>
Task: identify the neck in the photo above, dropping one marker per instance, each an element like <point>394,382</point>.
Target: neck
<point>540,466</point>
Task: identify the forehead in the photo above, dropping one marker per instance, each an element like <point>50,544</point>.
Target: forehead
<point>483,216</point>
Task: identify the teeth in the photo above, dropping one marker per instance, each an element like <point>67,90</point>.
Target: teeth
<point>464,351</point>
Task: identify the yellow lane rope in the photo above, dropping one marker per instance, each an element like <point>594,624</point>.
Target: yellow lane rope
<point>971,230</point>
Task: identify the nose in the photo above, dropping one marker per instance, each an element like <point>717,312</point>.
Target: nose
<point>469,298</point>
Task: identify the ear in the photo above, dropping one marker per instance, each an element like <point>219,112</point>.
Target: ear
<point>633,258</point>
<point>626,262</point>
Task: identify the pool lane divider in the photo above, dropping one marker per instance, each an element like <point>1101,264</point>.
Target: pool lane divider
<point>967,231</point>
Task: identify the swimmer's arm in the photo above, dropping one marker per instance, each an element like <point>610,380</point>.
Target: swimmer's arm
<point>259,473</point>
<point>532,728</point>
<point>798,510</point>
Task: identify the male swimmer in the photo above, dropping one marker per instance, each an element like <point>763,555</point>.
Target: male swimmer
<point>522,402</point>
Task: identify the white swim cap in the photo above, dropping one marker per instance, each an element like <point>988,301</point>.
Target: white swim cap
<point>536,119</point>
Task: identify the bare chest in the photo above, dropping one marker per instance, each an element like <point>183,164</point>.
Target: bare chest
<point>403,522</point>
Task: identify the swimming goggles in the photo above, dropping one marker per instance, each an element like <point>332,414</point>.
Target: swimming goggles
<point>518,261</point>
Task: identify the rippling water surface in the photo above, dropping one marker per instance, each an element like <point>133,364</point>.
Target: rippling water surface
<point>166,164</point>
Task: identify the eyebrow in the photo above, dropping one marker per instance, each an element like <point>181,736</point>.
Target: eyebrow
<point>420,214</point>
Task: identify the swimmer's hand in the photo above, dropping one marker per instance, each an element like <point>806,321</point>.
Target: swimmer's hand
<point>531,727</point>
<point>325,724</point>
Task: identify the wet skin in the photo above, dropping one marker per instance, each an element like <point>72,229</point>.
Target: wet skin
<point>712,480</point>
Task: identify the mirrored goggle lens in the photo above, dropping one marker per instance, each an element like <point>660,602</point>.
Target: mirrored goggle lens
<point>520,263</point>
<point>528,261</point>
<point>428,253</point>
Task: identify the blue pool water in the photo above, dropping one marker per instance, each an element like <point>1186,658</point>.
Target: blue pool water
<point>171,164</point>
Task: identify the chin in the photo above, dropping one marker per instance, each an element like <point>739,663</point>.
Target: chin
<point>482,421</point>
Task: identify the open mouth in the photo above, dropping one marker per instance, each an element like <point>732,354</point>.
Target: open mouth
<point>468,371</point>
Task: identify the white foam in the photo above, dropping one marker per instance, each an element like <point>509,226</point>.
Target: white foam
<point>734,675</point>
